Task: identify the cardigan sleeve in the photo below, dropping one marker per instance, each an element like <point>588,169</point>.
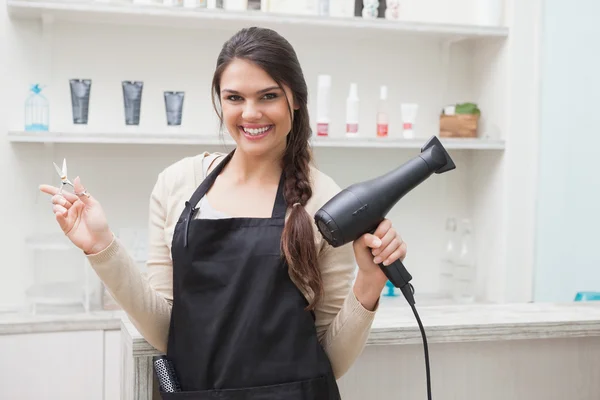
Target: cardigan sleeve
<point>146,299</point>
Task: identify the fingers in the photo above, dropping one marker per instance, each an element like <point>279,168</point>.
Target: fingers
<point>58,199</point>
<point>59,210</point>
<point>51,190</point>
<point>383,227</point>
<point>387,251</point>
<point>61,217</point>
<point>385,240</point>
<point>80,192</point>
<point>371,241</point>
<point>392,246</point>
<point>399,253</point>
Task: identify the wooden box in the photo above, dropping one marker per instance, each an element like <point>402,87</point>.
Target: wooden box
<point>459,125</point>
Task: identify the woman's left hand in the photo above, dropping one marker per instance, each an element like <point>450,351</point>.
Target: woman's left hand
<point>383,246</point>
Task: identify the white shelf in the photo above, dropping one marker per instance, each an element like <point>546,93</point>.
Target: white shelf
<point>399,143</point>
<point>159,15</point>
<point>177,138</point>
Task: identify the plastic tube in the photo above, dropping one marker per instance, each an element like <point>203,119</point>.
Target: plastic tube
<point>80,99</point>
<point>352,105</point>
<point>323,104</point>
<point>132,98</point>
<point>174,107</point>
<point>409,115</point>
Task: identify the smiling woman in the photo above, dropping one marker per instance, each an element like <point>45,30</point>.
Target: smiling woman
<point>242,292</point>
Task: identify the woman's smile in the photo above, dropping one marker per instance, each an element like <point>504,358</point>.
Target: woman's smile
<point>255,131</point>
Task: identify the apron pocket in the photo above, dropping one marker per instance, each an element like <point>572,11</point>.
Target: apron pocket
<point>311,389</point>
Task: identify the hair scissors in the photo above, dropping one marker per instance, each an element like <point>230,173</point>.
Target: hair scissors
<point>63,176</point>
<point>65,181</point>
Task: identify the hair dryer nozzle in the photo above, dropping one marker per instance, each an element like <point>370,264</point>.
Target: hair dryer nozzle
<point>436,156</point>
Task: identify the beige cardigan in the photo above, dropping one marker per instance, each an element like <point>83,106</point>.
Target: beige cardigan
<point>342,323</point>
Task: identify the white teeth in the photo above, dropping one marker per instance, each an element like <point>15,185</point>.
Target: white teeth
<point>256,131</point>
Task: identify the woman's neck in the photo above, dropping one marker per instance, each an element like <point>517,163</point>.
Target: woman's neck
<point>244,169</point>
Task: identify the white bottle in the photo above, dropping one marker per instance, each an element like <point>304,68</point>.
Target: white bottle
<point>370,9</point>
<point>382,113</point>
<point>323,8</point>
<point>448,259</point>
<point>194,3</point>
<point>408,113</point>
<point>323,104</point>
<point>236,5</point>
<point>352,103</point>
<point>465,268</point>
<point>489,12</point>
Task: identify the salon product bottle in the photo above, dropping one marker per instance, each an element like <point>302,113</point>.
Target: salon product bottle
<point>132,101</point>
<point>382,113</point>
<point>212,4</point>
<point>174,107</point>
<point>36,110</point>
<point>80,100</point>
<point>392,9</point>
<point>360,4</point>
<point>448,259</point>
<point>352,103</point>
<point>408,113</point>
<point>236,5</point>
<point>390,290</point>
<point>370,9</point>
<point>254,5</point>
<point>464,272</point>
<point>323,104</point>
<point>489,12</point>
<point>194,3</point>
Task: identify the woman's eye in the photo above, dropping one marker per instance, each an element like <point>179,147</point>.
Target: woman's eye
<point>270,96</point>
<point>234,97</point>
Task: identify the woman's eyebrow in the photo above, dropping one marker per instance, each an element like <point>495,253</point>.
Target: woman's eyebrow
<point>259,92</point>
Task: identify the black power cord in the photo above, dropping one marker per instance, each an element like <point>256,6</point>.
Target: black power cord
<point>400,278</point>
<point>408,292</point>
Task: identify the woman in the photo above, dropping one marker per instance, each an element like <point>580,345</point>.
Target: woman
<point>243,292</point>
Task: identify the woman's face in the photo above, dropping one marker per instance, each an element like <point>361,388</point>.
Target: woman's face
<point>255,109</point>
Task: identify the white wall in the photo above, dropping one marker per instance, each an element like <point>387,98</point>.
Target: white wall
<point>567,258</point>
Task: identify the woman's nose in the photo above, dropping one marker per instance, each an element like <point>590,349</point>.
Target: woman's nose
<point>251,111</point>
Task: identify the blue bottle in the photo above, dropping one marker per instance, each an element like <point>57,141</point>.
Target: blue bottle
<point>391,289</point>
<point>36,110</point>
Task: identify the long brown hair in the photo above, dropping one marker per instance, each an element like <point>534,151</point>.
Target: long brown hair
<point>275,55</point>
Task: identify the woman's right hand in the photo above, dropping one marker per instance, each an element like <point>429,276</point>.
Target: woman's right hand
<point>81,218</point>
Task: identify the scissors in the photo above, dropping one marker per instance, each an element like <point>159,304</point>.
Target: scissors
<point>65,181</point>
<point>63,175</point>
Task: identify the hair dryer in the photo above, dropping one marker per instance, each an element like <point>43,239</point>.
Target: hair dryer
<point>361,207</point>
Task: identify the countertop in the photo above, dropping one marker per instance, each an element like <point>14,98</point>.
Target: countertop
<point>394,322</point>
<point>16,323</point>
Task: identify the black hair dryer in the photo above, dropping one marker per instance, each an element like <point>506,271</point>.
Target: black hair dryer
<point>361,207</point>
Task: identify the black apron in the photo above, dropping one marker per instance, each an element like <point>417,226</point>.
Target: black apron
<point>238,326</point>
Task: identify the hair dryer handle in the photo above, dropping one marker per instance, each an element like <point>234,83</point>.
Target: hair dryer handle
<point>400,278</point>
